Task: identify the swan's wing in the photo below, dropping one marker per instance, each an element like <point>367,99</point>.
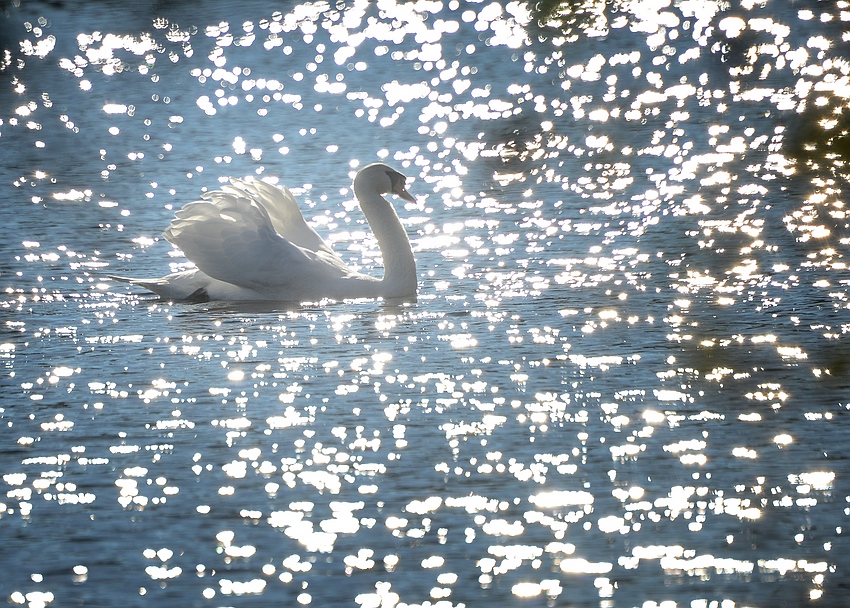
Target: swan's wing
<point>231,238</point>
<point>284,213</point>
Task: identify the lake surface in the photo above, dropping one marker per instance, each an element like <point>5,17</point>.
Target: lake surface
<point>625,381</point>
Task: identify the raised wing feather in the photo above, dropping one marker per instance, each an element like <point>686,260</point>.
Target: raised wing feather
<point>283,211</point>
<point>231,237</point>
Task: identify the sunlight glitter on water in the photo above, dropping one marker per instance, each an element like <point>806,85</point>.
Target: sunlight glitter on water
<point>628,343</point>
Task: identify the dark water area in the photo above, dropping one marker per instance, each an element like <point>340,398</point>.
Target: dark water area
<point>624,381</point>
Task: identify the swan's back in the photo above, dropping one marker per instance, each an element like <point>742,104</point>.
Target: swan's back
<point>253,235</point>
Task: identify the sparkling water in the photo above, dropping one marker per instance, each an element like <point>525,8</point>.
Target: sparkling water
<point>622,384</point>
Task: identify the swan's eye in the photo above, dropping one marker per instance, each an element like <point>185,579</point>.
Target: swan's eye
<point>397,180</point>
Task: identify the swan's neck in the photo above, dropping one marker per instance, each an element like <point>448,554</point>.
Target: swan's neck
<point>399,266</point>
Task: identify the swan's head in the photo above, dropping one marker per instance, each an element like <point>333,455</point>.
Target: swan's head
<point>382,179</point>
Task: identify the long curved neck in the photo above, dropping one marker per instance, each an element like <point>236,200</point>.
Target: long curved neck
<point>399,265</point>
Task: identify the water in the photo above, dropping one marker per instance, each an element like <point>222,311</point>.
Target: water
<point>624,381</point>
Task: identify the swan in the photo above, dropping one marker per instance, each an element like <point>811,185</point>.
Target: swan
<point>249,241</point>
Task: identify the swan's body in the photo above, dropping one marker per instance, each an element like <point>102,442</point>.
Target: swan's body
<point>249,241</point>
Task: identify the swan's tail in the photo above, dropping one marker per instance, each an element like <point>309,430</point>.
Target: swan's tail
<point>165,289</point>
<point>159,286</point>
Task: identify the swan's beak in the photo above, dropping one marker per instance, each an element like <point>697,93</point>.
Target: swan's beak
<point>405,195</point>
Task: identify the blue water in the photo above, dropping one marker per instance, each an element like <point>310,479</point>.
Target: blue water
<point>624,382</point>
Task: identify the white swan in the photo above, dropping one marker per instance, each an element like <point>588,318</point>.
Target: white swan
<point>249,241</point>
